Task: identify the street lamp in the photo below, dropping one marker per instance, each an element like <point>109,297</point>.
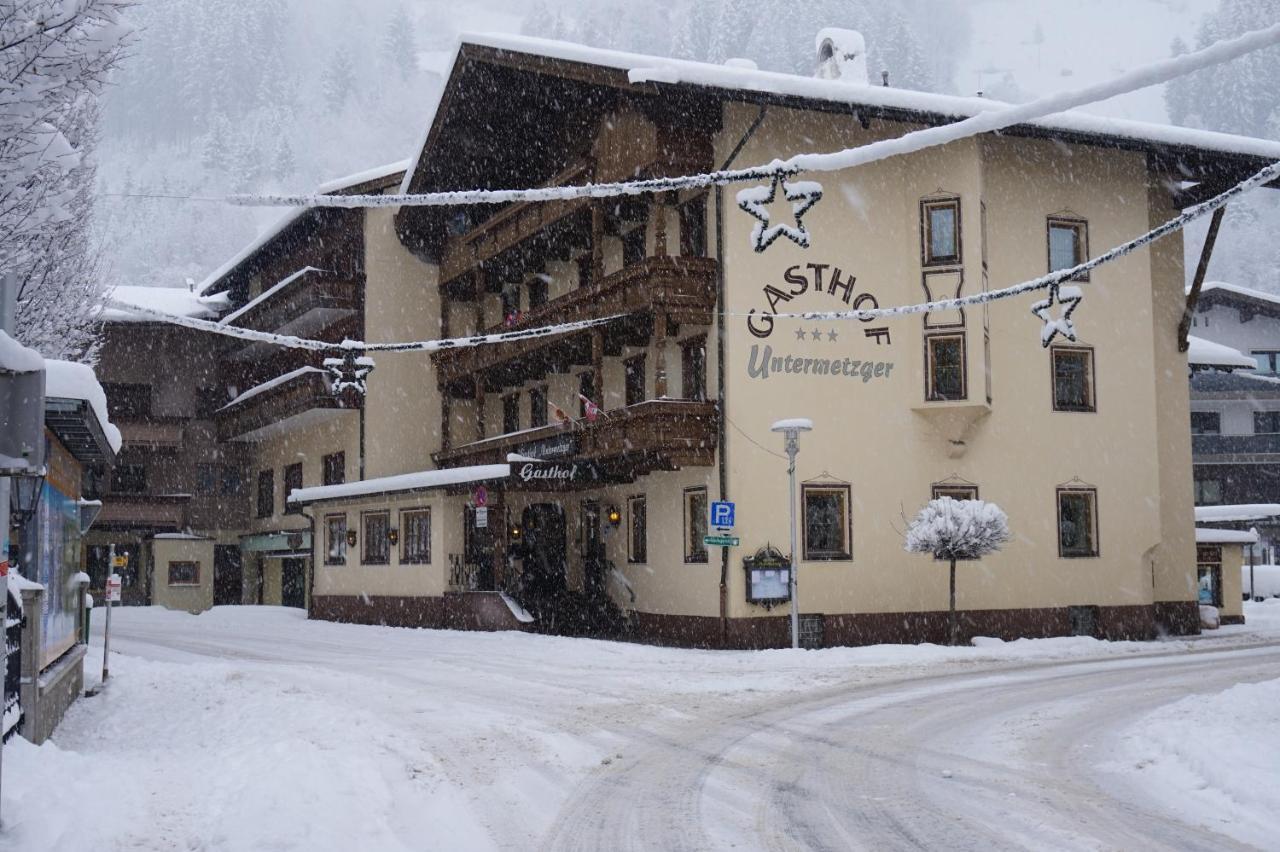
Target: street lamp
<point>791,430</point>
<point>24,497</point>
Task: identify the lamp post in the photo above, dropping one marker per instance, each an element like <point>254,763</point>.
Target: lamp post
<point>791,430</point>
<point>1252,545</point>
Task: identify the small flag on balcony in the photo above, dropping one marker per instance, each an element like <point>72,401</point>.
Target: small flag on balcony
<point>557,414</point>
<point>589,408</point>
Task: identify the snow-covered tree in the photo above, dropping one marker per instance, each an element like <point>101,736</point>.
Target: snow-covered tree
<point>399,48</point>
<point>54,60</point>
<point>954,530</point>
<point>339,79</point>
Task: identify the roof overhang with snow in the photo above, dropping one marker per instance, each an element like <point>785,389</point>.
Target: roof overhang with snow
<point>1208,535</point>
<point>1247,301</point>
<point>1237,512</point>
<point>536,88</point>
<point>405,483</point>
<point>76,426</point>
<point>1205,354</point>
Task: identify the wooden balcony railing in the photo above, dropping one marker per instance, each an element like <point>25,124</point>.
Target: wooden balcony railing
<point>510,226</point>
<point>681,288</point>
<point>152,433</point>
<point>659,434</point>
<point>311,300</point>
<point>257,410</point>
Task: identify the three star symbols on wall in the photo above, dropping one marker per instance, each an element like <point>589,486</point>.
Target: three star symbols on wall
<point>817,334</point>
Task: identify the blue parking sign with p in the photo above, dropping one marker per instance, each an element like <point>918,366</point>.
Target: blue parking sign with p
<point>722,514</point>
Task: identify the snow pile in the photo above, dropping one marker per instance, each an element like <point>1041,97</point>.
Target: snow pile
<point>1206,353</point>
<point>1209,617</point>
<point>1214,759</point>
<point>16,358</point>
<point>68,380</point>
<point>958,529</point>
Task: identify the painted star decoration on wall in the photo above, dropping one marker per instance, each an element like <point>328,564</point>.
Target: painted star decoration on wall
<point>802,194</point>
<point>1069,297</point>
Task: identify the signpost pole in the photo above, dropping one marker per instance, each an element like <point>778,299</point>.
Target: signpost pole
<point>106,628</point>
<point>791,429</point>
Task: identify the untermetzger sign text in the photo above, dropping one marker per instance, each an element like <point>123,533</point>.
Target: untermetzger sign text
<point>816,279</point>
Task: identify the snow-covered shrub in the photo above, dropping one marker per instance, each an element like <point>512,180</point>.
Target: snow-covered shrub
<point>958,529</point>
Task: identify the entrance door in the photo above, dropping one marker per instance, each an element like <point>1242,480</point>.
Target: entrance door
<point>293,583</point>
<point>228,575</point>
<point>544,548</point>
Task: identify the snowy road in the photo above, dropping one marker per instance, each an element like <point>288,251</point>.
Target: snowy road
<point>973,761</point>
<point>251,728</point>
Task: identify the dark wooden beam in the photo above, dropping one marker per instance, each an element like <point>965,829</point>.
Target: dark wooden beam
<point>1184,327</point>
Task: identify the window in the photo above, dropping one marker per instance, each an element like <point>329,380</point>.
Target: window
<point>538,407</point>
<point>1077,522</point>
<point>693,227</point>
<point>1072,378</point>
<point>266,493</point>
<point>637,530</point>
<point>206,479</point>
<point>377,546</point>
<point>584,263</point>
<point>587,389</point>
<point>184,573</point>
<point>231,482</point>
<point>511,413</point>
<point>1208,492</point>
<point>292,480</point>
<point>415,537</point>
<point>944,358</point>
<point>129,478</point>
<point>125,401</point>
<point>693,369</point>
<point>537,291</point>
<point>334,467</point>
<point>634,368</point>
<point>1209,575</point>
<point>695,524</point>
<point>208,400</point>
<point>940,224</point>
<point>826,522</point>
<point>633,250</point>
<point>955,492</point>
<point>1266,422</point>
<point>1068,245</point>
<point>1268,359</point>
<point>1206,423</point>
<point>335,539</point>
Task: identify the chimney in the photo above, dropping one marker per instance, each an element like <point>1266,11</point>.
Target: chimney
<point>842,55</point>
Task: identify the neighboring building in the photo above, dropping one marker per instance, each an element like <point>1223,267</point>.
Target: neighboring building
<point>1219,578</point>
<point>173,477</point>
<point>465,487</point>
<point>1235,413</point>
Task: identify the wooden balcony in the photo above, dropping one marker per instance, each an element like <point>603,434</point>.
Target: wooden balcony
<point>298,398</point>
<point>510,226</point>
<point>683,289</point>
<point>302,304</point>
<point>143,512</point>
<point>152,433</point>
<point>660,434</point>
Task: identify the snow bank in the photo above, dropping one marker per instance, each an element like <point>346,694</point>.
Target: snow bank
<point>1266,581</point>
<point>1214,759</point>
<point>68,380</point>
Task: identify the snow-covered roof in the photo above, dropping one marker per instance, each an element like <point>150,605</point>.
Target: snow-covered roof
<point>1236,290</point>
<point>1206,353</point>
<point>172,300</point>
<point>266,294</point>
<point>68,380</point>
<point>1237,512</point>
<point>641,68</point>
<point>1208,535</point>
<point>269,384</point>
<point>279,226</point>
<point>419,481</point>
<point>177,536</point>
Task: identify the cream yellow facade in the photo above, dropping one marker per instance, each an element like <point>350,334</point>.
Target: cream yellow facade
<point>183,573</point>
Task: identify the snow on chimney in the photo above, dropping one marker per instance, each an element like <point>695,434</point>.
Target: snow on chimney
<point>842,55</point>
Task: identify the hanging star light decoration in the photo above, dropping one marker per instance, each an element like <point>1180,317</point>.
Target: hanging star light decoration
<point>802,194</point>
<point>1069,297</point>
<point>349,372</point>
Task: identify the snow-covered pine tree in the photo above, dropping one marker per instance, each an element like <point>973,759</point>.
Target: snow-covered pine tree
<point>339,79</point>
<point>399,47</point>
<point>54,60</point>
